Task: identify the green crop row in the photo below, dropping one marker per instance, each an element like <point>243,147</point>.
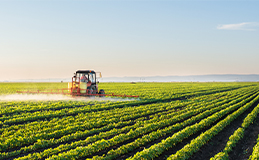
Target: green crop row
<point>77,129</point>
<point>93,123</point>
<point>50,135</point>
<point>70,146</point>
<point>168,90</point>
<point>99,145</point>
<point>112,154</point>
<point>159,148</point>
<point>140,109</point>
<point>255,154</point>
<point>196,143</point>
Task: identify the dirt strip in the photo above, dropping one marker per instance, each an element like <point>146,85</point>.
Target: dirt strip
<point>218,142</point>
<point>244,147</point>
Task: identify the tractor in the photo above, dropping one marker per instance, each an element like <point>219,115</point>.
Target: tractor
<point>84,83</point>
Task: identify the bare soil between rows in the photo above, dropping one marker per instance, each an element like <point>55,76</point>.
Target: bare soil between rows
<point>244,147</point>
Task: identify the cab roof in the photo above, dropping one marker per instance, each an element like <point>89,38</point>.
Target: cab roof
<point>85,71</point>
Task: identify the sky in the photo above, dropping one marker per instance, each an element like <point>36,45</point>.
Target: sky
<point>122,38</point>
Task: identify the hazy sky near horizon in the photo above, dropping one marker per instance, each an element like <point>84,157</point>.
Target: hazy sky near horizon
<point>52,39</point>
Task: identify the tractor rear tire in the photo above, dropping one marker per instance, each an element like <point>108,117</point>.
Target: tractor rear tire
<point>92,90</point>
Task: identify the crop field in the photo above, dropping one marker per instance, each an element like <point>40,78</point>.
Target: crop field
<point>196,121</point>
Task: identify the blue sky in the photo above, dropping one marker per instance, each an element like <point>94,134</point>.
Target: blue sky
<point>52,39</point>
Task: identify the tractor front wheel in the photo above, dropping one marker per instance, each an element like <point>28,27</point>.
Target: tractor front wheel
<point>101,93</point>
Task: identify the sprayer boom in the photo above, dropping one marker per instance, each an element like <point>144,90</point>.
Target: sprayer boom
<point>65,92</point>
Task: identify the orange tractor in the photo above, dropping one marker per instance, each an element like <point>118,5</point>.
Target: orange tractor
<point>84,83</point>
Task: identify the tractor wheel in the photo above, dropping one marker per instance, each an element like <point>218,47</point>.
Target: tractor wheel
<point>101,93</point>
<point>92,90</point>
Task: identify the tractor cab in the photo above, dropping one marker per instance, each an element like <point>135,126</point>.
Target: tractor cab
<point>84,83</point>
<point>86,76</point>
